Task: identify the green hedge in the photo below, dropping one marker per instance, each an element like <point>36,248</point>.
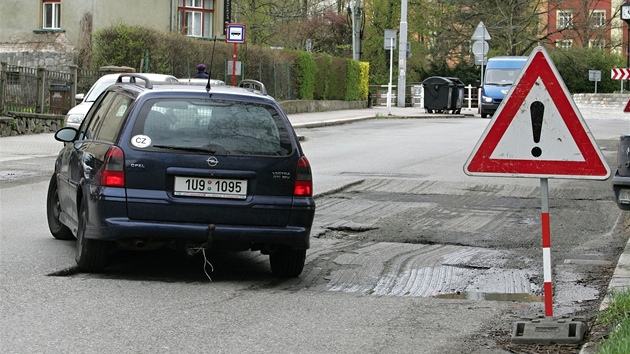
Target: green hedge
<point>305,71</point>
<point>323,76</point>
<point>286,74</point>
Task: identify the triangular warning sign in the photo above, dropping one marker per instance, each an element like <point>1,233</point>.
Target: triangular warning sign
<point>627,108</point>
<point>538,131</point>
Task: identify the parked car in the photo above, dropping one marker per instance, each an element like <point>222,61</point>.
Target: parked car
<point>178,166</point>
<point>75,115</point>
<point>621,178</point>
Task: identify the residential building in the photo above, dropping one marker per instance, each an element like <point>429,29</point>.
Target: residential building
<point>51,32</point>
<point>584,23</point>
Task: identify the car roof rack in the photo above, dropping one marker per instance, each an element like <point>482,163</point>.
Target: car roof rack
<point>253,85</point>
<point>132,79</point>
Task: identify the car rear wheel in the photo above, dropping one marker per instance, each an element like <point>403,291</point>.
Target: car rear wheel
<point>91,254</point>
<point>53,210</point>
<point>287,263</point>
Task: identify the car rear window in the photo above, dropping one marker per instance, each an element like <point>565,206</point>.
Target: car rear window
<point>218,127</point>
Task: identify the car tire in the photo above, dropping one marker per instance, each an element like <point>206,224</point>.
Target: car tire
<point>484,115</point>
<point>287,263</point>
<point>53,210</point>
<point>91,254</point>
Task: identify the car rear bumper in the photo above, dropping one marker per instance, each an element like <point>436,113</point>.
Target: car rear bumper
<point>116,229</point>
<point>108,221</point>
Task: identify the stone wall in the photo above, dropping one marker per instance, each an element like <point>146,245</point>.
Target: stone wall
<point>45,49</point>
<point>607,100</point>
<point>29,123</point>
<point>306,106</point>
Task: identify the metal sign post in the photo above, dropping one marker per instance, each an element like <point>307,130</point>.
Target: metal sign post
<point>390,44</point>
<point>481,34</point>
<point>235,33</point>
<point>595,75</point>
<point>546,246</point>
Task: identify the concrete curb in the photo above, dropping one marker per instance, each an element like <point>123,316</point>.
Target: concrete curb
<point>327,123</point>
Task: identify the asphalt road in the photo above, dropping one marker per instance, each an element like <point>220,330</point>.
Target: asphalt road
<point>409,255</point>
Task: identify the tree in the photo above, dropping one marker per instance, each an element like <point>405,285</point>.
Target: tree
<point>516,26</point>
<point>265,17</point>
<point>326,33</point>
<point>574,64</point>
<point>380,16</point>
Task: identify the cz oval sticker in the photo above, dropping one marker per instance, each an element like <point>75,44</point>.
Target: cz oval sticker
<point>141,141</point>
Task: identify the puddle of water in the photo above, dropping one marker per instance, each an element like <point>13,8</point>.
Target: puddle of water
<point>472,295</point>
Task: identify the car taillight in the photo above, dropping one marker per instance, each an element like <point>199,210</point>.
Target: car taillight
<point>304,179</point>
<point>113,174</point>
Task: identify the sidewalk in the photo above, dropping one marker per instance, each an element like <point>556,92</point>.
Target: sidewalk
<point>320,119</point>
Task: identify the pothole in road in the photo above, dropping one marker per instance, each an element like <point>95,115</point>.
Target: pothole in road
<point>352,228</point>
<point>11,175</point>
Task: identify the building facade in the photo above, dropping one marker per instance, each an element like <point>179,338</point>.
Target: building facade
<point>50,33</point>
<point>580,23</point>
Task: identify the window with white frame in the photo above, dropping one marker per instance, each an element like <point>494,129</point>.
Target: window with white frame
<point>598,18</point>
<point>564,43</point>
<point>195,17</point>
<point>564,19</point>
<point>51,14</point>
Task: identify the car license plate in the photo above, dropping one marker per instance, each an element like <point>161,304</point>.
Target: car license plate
<point>211,187</point>
<point>624,196</point>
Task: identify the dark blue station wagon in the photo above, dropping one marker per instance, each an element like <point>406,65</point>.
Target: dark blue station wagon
<point>188,167</point>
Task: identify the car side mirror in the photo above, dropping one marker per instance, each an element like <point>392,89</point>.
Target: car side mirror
<point>66,134</point>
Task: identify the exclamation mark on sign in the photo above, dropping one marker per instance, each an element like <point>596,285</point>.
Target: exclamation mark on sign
<point>537,110</point>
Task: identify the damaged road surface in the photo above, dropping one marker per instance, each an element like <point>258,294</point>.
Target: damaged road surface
<point>446,240</point>
<point>408,254</point>
<point>423,228</point>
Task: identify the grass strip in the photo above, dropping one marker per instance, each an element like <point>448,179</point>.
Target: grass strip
<point>617,316</point>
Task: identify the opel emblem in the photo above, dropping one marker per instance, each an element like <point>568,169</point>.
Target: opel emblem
<point>212,161</point>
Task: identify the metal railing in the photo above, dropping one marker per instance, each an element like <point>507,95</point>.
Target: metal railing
<point>37,90</point>
<point>415,96</point>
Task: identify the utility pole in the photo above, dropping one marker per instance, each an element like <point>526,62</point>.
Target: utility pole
<point>402,55</point>
<point>355,13</point>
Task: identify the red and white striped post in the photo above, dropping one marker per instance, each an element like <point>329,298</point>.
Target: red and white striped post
<point>546,246</point>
